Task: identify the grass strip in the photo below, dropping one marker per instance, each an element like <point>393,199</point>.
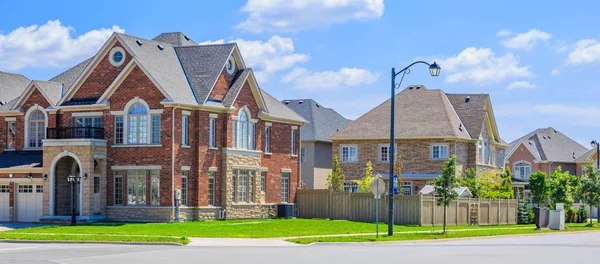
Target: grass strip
<point>92,238</point>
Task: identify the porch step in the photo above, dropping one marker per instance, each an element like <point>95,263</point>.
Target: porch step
<point>66,219</point>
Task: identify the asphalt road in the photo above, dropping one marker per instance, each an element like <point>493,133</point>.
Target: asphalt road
<point>555,248</point>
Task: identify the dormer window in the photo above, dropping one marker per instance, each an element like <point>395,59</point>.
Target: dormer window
<point>117,56</point>
<point>230,65</point>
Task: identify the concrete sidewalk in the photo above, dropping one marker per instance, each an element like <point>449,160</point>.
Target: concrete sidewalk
<point>240,242</point>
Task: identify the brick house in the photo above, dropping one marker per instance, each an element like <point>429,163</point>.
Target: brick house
<point>315,147</point>
<point>430,127</point>
<point>545,149</point>
<point>142,122</point>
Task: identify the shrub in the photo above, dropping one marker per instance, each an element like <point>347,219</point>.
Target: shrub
<point>583,215</point>
<point>571,215</point>
<point>531,214</point>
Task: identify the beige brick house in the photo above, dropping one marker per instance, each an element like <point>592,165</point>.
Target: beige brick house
<point>430,127</point>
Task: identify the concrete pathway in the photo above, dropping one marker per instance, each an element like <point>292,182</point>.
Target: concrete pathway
<point>240,242</point>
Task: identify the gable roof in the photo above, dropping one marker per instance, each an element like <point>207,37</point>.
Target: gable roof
<point>586,156</point>
<point>52,90</point>
<point>68,77</point>
<point>472,111</point>
<point>548,144</point>
<point>236,87</point>
<point>322,122</point>
<point>12,86</point>
<point>419,113</point>
<point>278,110</point>
<point>175,39</point>
<point>203,65</point>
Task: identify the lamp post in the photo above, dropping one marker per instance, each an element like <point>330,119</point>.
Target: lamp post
<point>73,180</point>
<point>597,146</point>
<point>434,70</point>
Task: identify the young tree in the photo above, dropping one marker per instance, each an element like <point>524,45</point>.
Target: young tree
<point>523,217</point>
<point>507,184</point>
<point>561,190</point>
<point>398,166</point>
<point>470,180</point>
<point>335,179</point>
<point>493,186</point>
<point>539,187</point>
<point>364,185</point>
<point>589,189</point>
<point>444,186</point>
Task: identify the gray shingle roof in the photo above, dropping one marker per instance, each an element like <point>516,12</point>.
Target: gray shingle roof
<point>203,65</point>
<point>471,112</point>
<point>322,122</point>
<point>69,76</point>
<point>21,159</point>
<point>548,144</point>
<point>52,90</point>
<point>175,39</point>
<point>585,157</point>
<point>419,113</point>
<point>237,85</point>
<point>163,66</point>
<point>277,109</point>
<point>12,85</point>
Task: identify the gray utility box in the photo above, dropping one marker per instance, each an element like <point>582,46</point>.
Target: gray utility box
<point>542,217</point>
<point>286,211</point>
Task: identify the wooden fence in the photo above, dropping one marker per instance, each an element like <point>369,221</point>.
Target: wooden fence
<point>409,209</point>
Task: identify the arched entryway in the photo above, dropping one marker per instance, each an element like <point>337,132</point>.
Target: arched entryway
<point>63,165</point>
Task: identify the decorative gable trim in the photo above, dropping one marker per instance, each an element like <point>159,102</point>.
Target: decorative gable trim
<point>28,91</point>
<point>512,150</point>
<point>238,60</point>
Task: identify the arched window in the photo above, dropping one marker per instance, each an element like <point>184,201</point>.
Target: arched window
<point>138,124</point>
<point>522,170</point>
<point>37,128</point>
<point>243,131</point>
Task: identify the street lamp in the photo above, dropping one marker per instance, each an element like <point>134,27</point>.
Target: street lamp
<point>597,146</point>
<point>434,70</point>
<point>73,180</point>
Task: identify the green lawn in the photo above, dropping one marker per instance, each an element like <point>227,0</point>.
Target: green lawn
<point>93,238</point>
<point>439,235</point>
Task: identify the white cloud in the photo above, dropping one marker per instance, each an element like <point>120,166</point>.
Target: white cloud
<point>582,115</point>
<point>504,33</point>
<point>586,51</point>
<point>267,57</point>
<point>304,79</point>
<point>49,45</point>
<point>520,85</point>
<point>296,15</point>
<point>526,40</point>
<point>482,66</point>
<point>555,72</point>
<point>561,46</point>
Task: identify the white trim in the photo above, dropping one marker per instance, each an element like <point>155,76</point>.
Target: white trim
<point>268,124</point>
<point>118,113</point>
<point>231,61</point>
<point>137,167</point>
<point>52,177</point>
<point>185,168</point>
<point>27,93</point>
<point>74,142</point>
<point>112,53</point>
<point>10,119</point>
<point>186,113</point>
<point>21,170</point>
<point>212,168</point>
<point>286,170</point>
<point>243,152</point>
<point>99,156</point>
<point>379,146</point>
<point>29,111</point>
<point>155,111</point>
<point>294,127</point>
<point>135,146</point>
<point>341,148</point>
<point>212,115</point>
<point>244,167</point>
<point>447,145</point>
<point>21,180</point>
<point>263,169</point>
<point>87,114</point>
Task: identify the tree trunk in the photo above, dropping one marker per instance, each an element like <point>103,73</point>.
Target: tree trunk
<point>591,218</point>
<point>445,218</point>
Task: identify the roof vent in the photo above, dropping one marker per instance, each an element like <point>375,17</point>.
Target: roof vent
<point>418,87</point>
<point>549,137</point>
<point>286,102</point>
<point>410,87</point>
<point>460,127</point>
<point>186,37</point>
<point>139,42</point>
<point>318,105</point>
<point>530,143</point>
<point>160,47</point>
<point>300,102</point>
<point>555,131</point>
<point>2,103</point>
<point>467,99</point>
<point>544,137</point>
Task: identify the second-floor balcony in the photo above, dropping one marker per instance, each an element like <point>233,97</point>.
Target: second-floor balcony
<point>75,133</point>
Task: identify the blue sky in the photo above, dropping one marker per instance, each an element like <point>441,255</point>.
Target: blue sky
<point>540,63</point>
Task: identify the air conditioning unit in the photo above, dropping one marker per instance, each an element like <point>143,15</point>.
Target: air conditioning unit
<point>286,211</point>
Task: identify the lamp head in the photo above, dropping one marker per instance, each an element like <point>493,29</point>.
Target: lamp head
<point>434,69</point>
<point>594,143</point>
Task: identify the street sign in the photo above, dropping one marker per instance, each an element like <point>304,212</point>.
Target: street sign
<point>377,187</point>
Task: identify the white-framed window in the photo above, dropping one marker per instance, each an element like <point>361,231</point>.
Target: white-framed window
<point>184,187</point>
<point>11,135</point>
<point>234,186</point>
<point>184,130</point>
<point>480,151</point>
<point>85,122</point>
<point>136,187</point>
<point>118,191</point>
<point>486,151</point>
<point>285,187</point>
<point>522,170</point>
<point>293,141</point>
<point>384,152</point>
<point>500,159</point>
<point>36,121</point>
<point>155,129</point>
<point>243,130</point>
<point>212,133</point>
<point>263,181</point>
<point>138,124</point>
<point>243,186</point>
<point>439,151</point>
<point>406,188</point>
<point>268,139</point>
<point>348,153</point>
<point>303,155</point>
<point>117,56</point>
<point>230,65</point>
<point>211,188</point>
<point>155,187</point>
<point>4,188</point>
<point>119,130</point>
<point>252,186</point>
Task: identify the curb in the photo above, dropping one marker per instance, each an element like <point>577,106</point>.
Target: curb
<point>90,242</point>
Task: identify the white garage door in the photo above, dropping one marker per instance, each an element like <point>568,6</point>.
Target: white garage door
<point>4,199</point>
<point>29,202</point>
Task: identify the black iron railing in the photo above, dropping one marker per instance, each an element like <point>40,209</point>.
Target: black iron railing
<point>75,132</point>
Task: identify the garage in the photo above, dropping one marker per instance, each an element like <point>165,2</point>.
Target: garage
<point>29,201</point>
<point>4,203</point>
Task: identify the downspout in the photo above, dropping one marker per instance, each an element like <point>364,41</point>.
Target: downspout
<point>173,162</point>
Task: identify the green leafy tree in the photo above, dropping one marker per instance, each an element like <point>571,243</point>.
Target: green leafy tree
<point>493,186</point>
<point>538,184</point>
<point>398,167</point>
<point>506,188</point>
<point>335,179</point>
<point>364,185</point>
<point>470,180</point>
<point>589,190</point>
<point>561,190</point>
<point>444,186</point>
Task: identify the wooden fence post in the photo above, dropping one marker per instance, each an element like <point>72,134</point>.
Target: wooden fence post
<point>420,209</point>
<point>499,211</point>
<point>433,212</point>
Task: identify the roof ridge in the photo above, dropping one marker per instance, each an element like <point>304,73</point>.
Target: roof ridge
<point>13,73</point>
<point>144,39</point>
<point>213,44</point>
